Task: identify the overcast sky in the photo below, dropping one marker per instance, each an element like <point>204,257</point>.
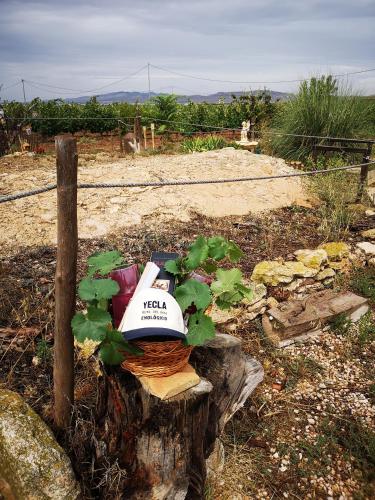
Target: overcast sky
<point>87,44</point>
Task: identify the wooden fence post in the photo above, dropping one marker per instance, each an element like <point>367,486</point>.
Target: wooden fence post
<point>65,279</point>
<point>364,173</point>
<point>138,129</point>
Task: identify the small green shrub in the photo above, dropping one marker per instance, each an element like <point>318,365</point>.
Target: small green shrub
<point>200,144</point>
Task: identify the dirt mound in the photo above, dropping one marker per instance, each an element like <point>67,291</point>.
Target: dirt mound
<point>31,221</point>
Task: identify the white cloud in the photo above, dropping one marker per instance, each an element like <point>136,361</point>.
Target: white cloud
<point>82,44</point>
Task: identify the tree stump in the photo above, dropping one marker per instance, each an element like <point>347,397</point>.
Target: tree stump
<point>164,445</point>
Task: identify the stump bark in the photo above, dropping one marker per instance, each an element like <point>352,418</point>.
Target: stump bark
<point>164,445</point>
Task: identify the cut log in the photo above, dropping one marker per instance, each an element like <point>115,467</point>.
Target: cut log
<point>164,445</point>
<point>302,319</point>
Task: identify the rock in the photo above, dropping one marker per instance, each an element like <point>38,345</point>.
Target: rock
<point>272,302</point>
<point>371,262</point>
<point>220,316</point>
<point>367,248</point>
<point>259,292</point>
<point>32,463</point>
<point>342,265</point>
<point>325,273</point>
<point>336,250</point>
<point>273,272</point>
<point>370,234</point>
<point>370,213</point>
<point>312,258</point>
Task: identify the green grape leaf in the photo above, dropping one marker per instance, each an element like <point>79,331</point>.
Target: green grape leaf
<point>227,299</point>
<point>193,292</point>
<point>234,252</point>
<point>245,291</point>
<point>209,266</point>
<point>201,329</point>
<point>226,280</point>
<point>92,325</point>
<point>217,247</point>
<point>112,349</point>
<point>198,253</point>
<point>110,355</point>
<point>90,289</point>
<point>104,262</point>
<point>173,267</point>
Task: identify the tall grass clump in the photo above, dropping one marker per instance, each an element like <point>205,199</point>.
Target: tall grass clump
<point>336,191</point>
<point>322,107</point>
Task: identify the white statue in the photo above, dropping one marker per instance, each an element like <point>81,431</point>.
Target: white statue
<point>244,131</point>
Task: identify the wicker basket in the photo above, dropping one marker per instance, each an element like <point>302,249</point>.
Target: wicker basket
<point>160,359</point>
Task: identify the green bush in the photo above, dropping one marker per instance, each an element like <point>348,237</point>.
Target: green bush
<point>322,107</point>
<point>200,144</point>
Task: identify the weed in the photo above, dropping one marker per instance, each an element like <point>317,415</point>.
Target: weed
<point>366,329</point>
<point>43,350</point>
<point>335,190</point>
<point>356,440</point>
<point>363,282</point>
<point>340,324</point>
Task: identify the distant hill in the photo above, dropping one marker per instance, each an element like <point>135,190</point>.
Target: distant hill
<point>133,97</point>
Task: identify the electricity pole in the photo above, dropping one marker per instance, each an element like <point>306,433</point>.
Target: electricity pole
<point>149,81</point>
<point>23,88</point>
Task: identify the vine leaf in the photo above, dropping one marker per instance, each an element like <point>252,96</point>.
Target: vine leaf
<point>193,292</point>
<point>201,329</point>
<point>226,280</point>
<point>92,325</point>
<point>234,252</point>
<point>198,253</point>
<point>104,262</point>
<point>90,289</point>
<point>217,247</point>
<point>173,267</point>
<point>112,349</point>
<point>228,288</point>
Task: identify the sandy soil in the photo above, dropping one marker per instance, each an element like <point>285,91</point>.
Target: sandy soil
<point>32,221</point>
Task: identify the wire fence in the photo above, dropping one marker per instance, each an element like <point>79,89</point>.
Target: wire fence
<point>179,182</point>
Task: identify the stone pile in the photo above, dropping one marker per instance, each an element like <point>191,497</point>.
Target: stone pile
<point>312,272</point>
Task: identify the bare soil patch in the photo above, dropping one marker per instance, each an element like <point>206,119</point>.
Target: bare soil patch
<point>32,221</point>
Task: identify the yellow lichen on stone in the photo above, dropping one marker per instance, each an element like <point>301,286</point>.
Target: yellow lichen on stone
<point>325,273</point>
<point>336,250</point>
<point>312,258</point>
<point>273,273</point>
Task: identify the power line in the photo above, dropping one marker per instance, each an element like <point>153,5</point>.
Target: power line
<point>13,85</point>
<point>254,82</point>
<point>41,84</point>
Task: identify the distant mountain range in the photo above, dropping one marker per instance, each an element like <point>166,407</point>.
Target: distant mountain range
<point>133,97</point>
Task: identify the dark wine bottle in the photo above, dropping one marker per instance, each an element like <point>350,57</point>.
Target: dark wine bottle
<point>164,280</point>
